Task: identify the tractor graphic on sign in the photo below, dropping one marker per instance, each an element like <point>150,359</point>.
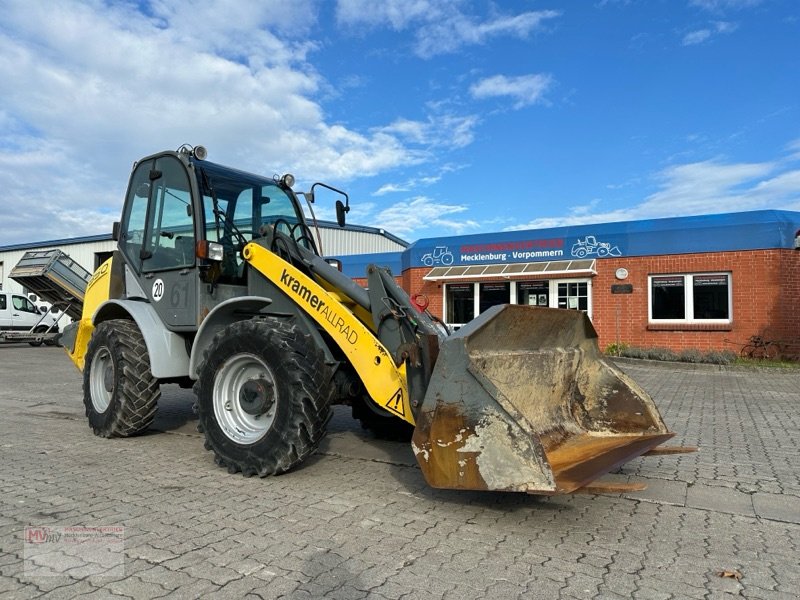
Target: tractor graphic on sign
<point>441,255</point>
<point>589,246</point>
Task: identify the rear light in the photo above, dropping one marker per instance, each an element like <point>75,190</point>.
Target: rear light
<point>209,250</point>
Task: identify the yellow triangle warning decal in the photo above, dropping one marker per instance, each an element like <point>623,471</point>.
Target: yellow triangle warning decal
<point>395,404</point>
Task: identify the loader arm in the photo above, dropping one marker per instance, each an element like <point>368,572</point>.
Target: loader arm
<point>384,380</point>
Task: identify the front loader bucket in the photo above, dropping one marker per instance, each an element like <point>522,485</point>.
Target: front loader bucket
<point>521,399</point>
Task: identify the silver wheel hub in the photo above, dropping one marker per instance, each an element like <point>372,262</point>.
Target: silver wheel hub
<point>244,398</point>
<point>101,380</point>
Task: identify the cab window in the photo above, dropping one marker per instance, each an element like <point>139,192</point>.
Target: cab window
<point>170,230</point>
<point>23,304</point>
<point>157,228</point>
<point>245,204</point>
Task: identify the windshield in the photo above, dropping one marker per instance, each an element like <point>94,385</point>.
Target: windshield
<point>246,202</point>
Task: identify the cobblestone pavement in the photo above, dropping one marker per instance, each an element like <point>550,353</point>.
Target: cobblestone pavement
<point>357,520</point>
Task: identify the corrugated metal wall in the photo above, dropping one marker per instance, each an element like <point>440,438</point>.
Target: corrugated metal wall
<point>344,242</point>
<point>335,242</point>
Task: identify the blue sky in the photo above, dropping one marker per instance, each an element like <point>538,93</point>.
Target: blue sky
<point>438,117</point>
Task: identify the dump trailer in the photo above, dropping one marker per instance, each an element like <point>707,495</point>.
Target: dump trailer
<point>218,283</point>
<point>55,277</point>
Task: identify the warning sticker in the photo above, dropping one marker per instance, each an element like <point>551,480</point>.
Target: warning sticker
<point>395,403</point>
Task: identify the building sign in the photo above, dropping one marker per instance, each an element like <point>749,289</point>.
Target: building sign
<point>653,237</point>
<point>621,288</point>
<point>590,246</point>
<point>522,251</point>
<point>668,282</point>
<point>702,280</point>
<point>440,255</point>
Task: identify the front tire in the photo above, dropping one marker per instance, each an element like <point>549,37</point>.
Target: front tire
<point>263,396</point>
<point>381,423</point>
<point>119,391</point>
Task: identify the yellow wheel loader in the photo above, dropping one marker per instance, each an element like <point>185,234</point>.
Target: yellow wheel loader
<point>218,283</point>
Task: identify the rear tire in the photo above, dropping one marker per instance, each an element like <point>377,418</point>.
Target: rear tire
<point>38,330</point>
<point>263,396</point>
<point>381,423</point>
<point>119,391</point>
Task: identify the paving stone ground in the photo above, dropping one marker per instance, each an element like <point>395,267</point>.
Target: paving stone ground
<point>358,521</point>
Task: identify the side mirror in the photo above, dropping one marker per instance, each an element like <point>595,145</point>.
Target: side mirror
<point>341,210</point>
<point>115,230</point>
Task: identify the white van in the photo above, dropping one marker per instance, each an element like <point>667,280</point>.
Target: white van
<point>18,313</point>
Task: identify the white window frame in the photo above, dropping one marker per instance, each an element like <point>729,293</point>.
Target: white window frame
<point>688,298</point>
<point>554,291</point>
<point>475,301</point>
<point>553,295</point>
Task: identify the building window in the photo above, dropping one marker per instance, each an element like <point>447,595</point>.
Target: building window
<point>533,293</point>
<point>464,301</point>
<point>574,295</point>
<point>460,303</point>
<point>492,294</point>
<point>701,297</point>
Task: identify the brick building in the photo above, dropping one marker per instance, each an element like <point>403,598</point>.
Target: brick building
<point>688,282</point>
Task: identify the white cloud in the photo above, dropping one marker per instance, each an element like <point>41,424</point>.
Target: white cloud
<point>442,27</point>
<point>422,213</point>
<point>698,188</point>
<point>525,89</point>
<point>90,87</point>
<point>416,182</point>
<point>794,148</point>
<point>699,36</point>
<point>390,188</point>
<point>721,5</point>
<point>438,131</point>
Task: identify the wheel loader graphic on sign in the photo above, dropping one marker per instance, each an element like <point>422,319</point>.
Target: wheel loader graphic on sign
<point>217,283</point>
<point>441,255</point>
<point>589,246</point>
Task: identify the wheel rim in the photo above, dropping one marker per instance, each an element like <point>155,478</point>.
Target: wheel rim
<point>101,380</point>
<point>244,398</point>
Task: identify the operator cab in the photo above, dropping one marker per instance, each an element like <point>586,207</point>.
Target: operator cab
<point>159,231</point>
<point>176,208</point>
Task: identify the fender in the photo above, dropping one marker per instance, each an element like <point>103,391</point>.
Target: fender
<point>220,317</point>
<point>167,350</point>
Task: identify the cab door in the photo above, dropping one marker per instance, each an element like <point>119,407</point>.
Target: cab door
<point>24,314</point>
<point>158,239</point>
<point>5,312</point>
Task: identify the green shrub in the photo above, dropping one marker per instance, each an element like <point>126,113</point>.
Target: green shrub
<point>661,354</point>
<point>719,357</point>
<point>690,355</point>
<point>633,352</point>
<point>616,349</point>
